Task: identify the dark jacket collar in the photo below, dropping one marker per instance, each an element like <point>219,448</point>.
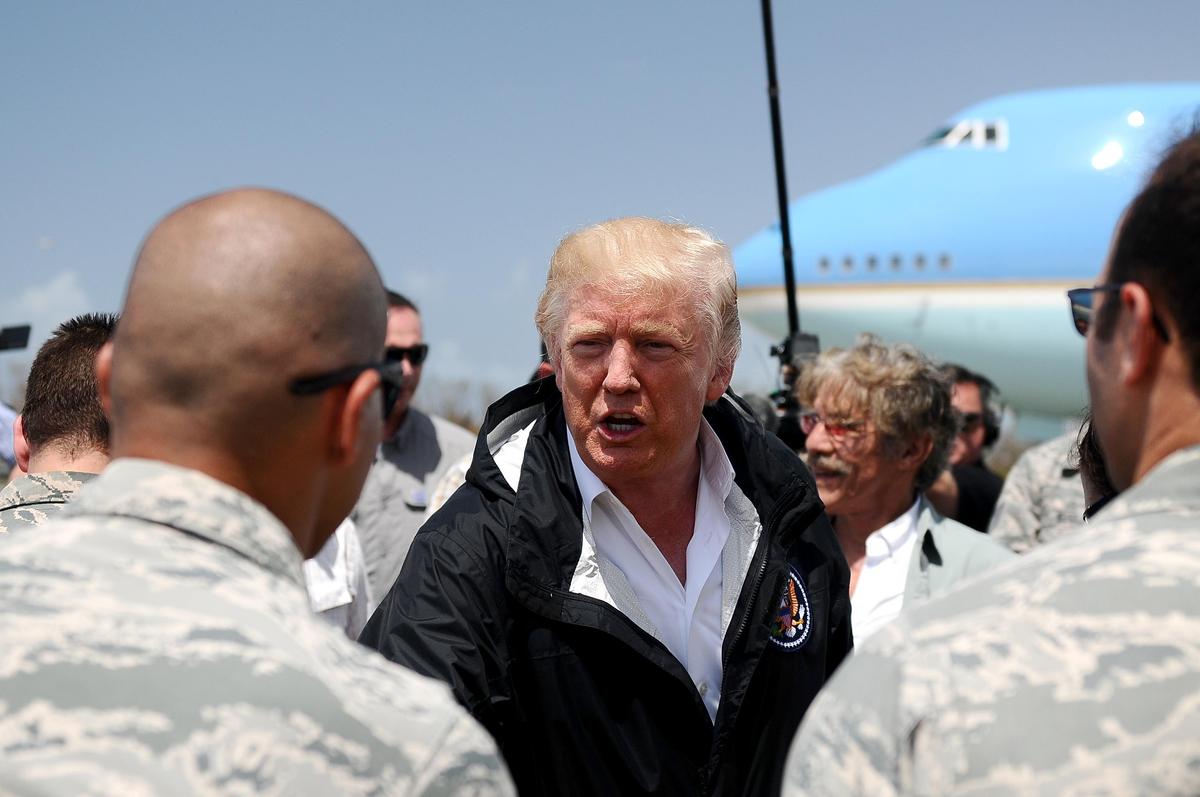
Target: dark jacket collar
<point>545,537</point>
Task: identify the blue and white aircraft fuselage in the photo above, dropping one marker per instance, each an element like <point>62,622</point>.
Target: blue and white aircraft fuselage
<point>965,247</point>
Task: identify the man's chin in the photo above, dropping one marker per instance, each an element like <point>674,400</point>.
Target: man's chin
<point>392,425</point>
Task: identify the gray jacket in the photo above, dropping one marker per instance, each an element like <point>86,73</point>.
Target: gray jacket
<point>949,552</point>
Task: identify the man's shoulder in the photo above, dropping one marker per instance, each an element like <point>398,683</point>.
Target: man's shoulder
<point>1084,622</point>
<point>962,540</point>
<point>45,491</point>
<point>217,635</point>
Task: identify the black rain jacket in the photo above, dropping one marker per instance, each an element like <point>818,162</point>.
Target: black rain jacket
<point>579,698</point>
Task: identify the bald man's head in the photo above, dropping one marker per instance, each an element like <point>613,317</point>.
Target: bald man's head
<point>232,297</point>
<point>235,294</point>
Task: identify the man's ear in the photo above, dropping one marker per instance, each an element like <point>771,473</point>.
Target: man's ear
<point>718,383</point>
<point>20,443</point>
<point>358,420</point>
<point>915,452</point>
<point>1143,343</point>
<point>104,378</point>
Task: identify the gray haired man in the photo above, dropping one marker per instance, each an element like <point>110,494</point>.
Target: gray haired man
<point>879,426</point>
<point>1076,670</point>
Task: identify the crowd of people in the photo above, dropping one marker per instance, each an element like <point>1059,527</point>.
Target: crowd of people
<point>235,558</point>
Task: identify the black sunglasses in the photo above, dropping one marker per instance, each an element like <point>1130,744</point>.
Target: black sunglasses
<point>391,381</point>
<point>1081,300</point>
<point>971,420</point>
<point>414,354</point>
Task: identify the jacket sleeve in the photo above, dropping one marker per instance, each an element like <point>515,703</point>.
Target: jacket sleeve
<point>445,617</point>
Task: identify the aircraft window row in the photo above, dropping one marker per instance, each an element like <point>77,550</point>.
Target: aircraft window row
<point>872,263</point>
<point>972,133</point>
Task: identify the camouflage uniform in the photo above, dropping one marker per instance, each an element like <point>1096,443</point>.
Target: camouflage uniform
<point>159,641</point>
<point>1042,497</point>
<point>1074,670</point>
<point>31,500</point>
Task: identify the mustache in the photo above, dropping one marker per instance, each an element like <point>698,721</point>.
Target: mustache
<point>828,464</point>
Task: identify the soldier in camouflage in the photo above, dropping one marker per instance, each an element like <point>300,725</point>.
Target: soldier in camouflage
<point>1042,497</point>
<point>157,636</point>
<point>1075,670</point>
<point>61,437</point>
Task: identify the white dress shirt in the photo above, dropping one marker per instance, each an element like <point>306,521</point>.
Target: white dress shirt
<point>879,593</point>
<point>687,618</point>
<point>336,579</point>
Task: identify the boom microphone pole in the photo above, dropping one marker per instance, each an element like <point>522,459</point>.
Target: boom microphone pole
<point>798,348</point>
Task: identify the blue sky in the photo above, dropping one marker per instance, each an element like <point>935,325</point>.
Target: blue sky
<point>460,141</point>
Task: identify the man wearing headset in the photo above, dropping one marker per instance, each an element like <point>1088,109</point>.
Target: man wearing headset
<point>967,491</point>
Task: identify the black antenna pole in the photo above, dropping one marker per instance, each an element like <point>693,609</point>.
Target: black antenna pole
<point>785,230</point>
<point>798,348</point>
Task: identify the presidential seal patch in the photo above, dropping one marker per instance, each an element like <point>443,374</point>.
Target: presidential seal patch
<point>792,623</point>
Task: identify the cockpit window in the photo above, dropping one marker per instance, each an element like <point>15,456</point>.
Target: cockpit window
<point>971,133</point>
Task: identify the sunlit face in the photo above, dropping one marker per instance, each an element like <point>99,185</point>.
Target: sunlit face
<point>403,330</point>
<point>968,443</point>
<point>854,475</point>
<point>635,375</point>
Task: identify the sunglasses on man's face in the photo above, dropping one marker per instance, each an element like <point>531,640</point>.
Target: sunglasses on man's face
<point>391,382</point>
<point>1083,299</point>
<point>414,354</point>
<point>971,421</point>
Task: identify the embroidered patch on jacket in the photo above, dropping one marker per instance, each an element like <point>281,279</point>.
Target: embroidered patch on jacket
<point>792,623</point>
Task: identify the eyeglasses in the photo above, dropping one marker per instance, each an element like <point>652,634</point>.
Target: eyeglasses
<point>837,430</point>
<point>1081,301</point>
<point>391,381</point>
<point>414,354</point>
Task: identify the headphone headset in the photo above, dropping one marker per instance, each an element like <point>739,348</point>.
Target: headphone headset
<point>989,396</point>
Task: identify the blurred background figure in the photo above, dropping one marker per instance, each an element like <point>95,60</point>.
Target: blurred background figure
<point>879,429</point>
<point>1042,498</point>
<point>8,458</point>
<point>417,449</point>
<point>60,438</point>
<point>968,490</point>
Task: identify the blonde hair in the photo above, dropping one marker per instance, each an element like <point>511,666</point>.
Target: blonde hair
<point>900,389</point>
<point>638,257</point>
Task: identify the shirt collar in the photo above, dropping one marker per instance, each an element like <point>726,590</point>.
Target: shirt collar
<point>715,468</point>
<point>49,487</point>
<point>889,539</point>
<point>196,504</point>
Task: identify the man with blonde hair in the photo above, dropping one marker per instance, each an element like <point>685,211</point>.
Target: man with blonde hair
<point>879,426</point>
<point>636,591</point>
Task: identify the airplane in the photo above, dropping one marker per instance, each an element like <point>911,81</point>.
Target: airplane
<point>966,246</point>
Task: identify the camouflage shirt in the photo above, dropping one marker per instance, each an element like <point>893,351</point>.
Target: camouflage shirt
<point>1042,497</point>
<point>157,639</point>
<point>1074,670</point>
<point>32,499</point>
